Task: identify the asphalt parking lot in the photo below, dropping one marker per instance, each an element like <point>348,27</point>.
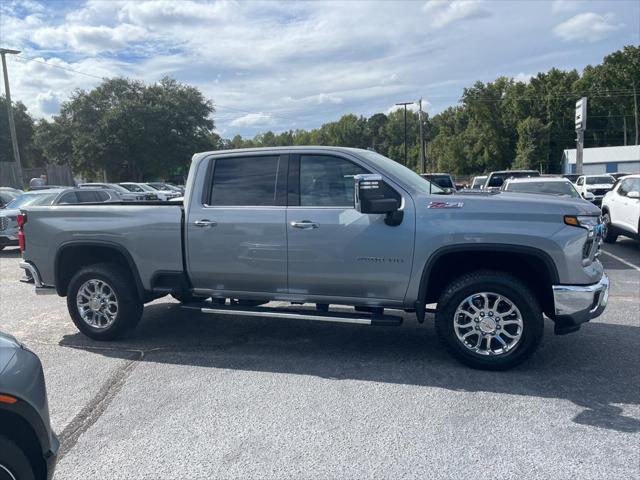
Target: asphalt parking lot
<point>199,396</point>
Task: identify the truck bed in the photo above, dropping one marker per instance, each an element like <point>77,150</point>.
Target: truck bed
<point>151,234</point>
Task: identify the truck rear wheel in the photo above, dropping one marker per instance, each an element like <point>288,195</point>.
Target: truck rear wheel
<point>489,320</point>
<point>103,302</point>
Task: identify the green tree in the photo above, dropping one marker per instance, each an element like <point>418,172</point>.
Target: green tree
<point>533,145</point>
<point>130,130</point>
<point>30,155</point>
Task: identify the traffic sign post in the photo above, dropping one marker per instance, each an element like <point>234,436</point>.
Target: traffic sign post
<point>581,126</point>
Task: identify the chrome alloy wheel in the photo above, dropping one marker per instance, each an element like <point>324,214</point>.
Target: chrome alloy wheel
<point>488,323</point>
<point>97,303</point>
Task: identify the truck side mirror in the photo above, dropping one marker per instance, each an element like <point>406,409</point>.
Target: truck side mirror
<point>633,194</point>
<point>374,196</point>
<point>588,196</point>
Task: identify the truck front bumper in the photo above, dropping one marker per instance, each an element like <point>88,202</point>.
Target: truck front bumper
<point>577,304</point>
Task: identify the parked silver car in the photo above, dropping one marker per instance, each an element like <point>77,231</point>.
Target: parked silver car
<point>28,445</point>
<point>53,196</point>
<point>162,195</point>
<point>125,195</point>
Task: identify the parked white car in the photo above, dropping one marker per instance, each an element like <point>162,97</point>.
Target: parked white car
<point>557,186</point>
<point>163,196</point>
<point>598,185</point>
<point>621,209</point>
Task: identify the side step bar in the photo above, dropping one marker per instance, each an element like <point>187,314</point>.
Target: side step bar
<point>298,314</point>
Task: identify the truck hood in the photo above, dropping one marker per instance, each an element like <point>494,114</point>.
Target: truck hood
<point>524,204</point>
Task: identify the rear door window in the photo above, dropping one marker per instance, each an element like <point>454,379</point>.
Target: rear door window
<point>245,181</point>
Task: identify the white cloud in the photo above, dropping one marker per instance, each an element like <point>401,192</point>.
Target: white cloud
<point>48,102</point>
<point>89,39</point>
<point>523,77</point>
<point>588,26</point>
<point>328,98</point>
<point>559,6</point>
<point>443,12</point>
<point>285,64</point>
<point>253,120</point>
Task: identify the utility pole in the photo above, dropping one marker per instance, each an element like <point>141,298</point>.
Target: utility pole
<point>581,125</point>
<point>405,128</point>
<point>12,125</point>
<point>423,158</point>
<point>635,109</point>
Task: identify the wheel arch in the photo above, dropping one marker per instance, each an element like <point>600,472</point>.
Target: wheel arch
<point>74,255</point>
<point>534,267</point>
<point>28,435</point>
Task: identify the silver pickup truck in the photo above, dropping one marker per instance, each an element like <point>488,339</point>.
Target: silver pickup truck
<point>320,227</point>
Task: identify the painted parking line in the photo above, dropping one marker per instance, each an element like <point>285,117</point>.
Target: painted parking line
<point>621,260</point>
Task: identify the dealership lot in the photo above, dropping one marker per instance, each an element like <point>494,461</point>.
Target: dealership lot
<point>199,396</point>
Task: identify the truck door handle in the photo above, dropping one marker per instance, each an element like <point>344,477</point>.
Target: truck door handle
<point>305,225</point>
<point>205,223</point>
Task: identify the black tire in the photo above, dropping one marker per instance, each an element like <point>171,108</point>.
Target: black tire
<point>130,305</point>
<point>610,236</point>
<point>14,463</point>
<point>502,284</point>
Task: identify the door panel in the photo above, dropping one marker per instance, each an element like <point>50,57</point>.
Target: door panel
<point>349,254</point>
<point>239,240</point>
<point>333,249</point>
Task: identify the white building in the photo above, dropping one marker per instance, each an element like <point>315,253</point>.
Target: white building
<point>604,160</point>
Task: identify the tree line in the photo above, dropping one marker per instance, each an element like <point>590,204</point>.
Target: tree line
<point>130,130</point>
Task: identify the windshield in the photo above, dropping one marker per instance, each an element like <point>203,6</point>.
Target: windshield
<point>132,188</point>
<point>160,186</point>
<point>31,199</point>
<point>404,174</point>
<point>498,178</point>
<point>545,188</point>
<point>443,181</point>
<point>605,179</point>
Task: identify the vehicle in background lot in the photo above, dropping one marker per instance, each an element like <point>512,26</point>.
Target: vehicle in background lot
<point>146,189</point>
<point>542,185</point>
<point>60,196</point>
<point>621,209</point>
<point>125,195</point>
<point>443,180</point>
<point>478,182</point>
<point>165,187</point>
<point>619,175</point>
<point>327,226</point>
<point>28,445</point>
<point>572,177</point>
<point>496,179</point>
<point>9,214</point>
<point>598,185</point>
<point>7,194</point>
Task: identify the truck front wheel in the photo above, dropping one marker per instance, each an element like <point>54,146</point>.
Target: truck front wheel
<point>103,302</point>
<point>489,320</point>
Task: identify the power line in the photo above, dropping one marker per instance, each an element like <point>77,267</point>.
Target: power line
<point>22,57</point>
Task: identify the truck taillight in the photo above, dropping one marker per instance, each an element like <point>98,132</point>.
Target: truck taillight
<point>22,219</point>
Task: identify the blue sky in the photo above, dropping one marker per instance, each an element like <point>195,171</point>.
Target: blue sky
<point>276,66</point>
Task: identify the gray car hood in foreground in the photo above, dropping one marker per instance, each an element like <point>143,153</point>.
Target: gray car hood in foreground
<point>8,348</point>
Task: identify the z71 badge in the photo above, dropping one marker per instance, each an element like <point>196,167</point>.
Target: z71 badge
<point>445,205</point>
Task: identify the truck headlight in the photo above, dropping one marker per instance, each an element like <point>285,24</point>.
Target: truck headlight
<point>590,222</point>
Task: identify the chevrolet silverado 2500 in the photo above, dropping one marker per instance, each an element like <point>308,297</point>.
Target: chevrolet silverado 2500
<point>328,226</point>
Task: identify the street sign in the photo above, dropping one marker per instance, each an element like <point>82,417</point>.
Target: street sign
<point>581,114</point>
